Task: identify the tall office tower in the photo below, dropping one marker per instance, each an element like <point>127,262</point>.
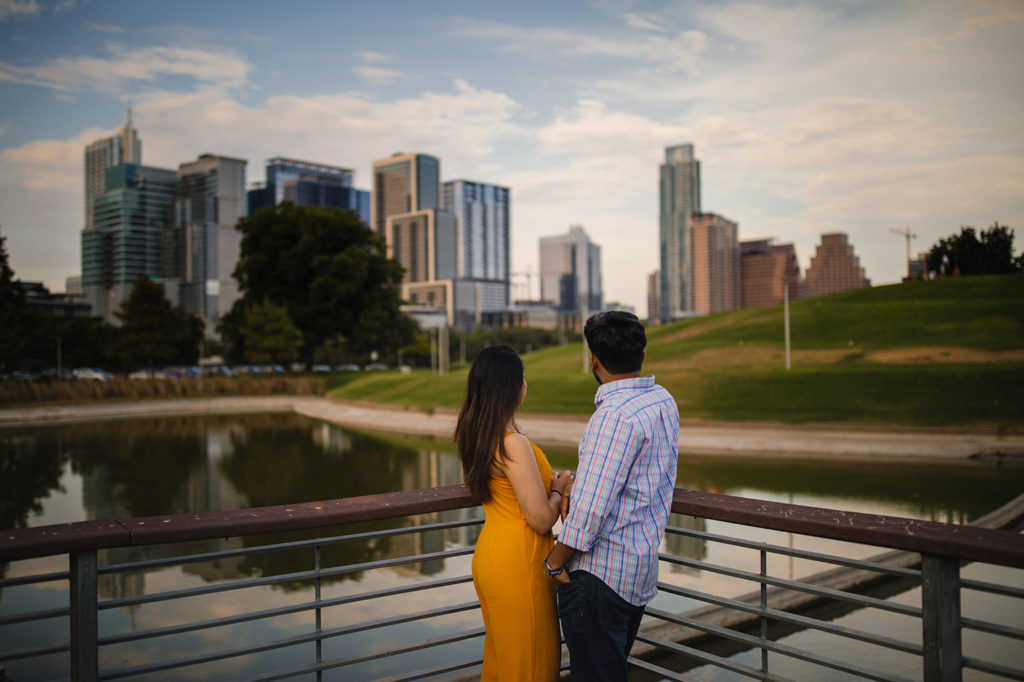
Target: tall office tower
<point>765,268</point>
<point>309,184</point>
<point>404,183</point>
<point>481,214</point>
<point>680,200</point>
<point>570,271</point>
<point>716,263</point>
<point>406,211</point>
<point>654,296</point>
<point>834,267</point>
<point>125,147</point>
<point>203,250</point>
<point>123,238</point>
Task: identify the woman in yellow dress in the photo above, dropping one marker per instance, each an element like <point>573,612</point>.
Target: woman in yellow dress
<point>521,498</point>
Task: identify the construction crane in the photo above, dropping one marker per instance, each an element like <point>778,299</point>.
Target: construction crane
<point>909,235</point>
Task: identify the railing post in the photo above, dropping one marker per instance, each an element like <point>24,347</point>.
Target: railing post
<point>84,619</point>
<point>319,621</point>
<point>764,606</point>
<point>940,603</point>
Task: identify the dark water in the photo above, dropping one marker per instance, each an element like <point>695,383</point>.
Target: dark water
<point>171,466</point>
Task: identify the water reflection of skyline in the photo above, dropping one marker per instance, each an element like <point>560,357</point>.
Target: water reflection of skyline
<point>173,466</point>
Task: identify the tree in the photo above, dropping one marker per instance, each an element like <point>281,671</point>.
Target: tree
<point>269,335</point>
<point>328,270</point>
<point>20,323</point>
<point>153,332</point>
<point>968,254</point>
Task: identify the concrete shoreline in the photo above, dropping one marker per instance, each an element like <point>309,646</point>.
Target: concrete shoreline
<point>968,446</point>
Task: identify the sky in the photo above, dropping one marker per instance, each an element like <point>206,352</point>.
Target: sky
<point>861,116</point>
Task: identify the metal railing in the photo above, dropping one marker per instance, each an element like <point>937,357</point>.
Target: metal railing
<point>678,634</point>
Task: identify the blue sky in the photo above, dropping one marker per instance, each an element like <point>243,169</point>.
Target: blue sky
<point>808,117</point>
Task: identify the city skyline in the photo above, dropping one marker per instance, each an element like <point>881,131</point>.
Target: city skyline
<point>808,118</point>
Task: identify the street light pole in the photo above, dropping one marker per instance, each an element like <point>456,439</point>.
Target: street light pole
<point>785,314</point>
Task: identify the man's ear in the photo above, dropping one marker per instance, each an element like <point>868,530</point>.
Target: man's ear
<point>594,362</point>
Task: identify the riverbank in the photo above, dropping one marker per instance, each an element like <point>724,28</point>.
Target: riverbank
<point>949,445</point>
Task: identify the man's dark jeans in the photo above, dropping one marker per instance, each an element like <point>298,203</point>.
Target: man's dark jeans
<point>599,628</point>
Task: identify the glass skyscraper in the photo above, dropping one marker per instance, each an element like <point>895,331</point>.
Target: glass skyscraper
<point>123,239</point>
<point>309,184</point>
<point>679,201</point>
<point>570,271</point>
<point>125,147</point>
<point>482,217</point>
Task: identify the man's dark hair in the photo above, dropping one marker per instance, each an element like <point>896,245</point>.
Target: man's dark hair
<point>618,340</point>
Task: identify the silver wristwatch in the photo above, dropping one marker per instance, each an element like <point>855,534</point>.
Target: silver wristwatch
<point>553,571</point>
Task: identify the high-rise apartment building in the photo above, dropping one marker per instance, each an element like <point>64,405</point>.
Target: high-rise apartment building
<point>483,238</point>
<point>203,248</point>
<point>679,201</point>
<point>309,184</point>
<point>654,296</point>
<point>123,238</point>
<point>767,268</point>
<point>834,267</point>
<point>570,271</point>
<point>404,183</point>
<point>124,147</point>
<point>716,263</point>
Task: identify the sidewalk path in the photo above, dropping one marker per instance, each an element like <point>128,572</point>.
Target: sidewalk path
<point>837,443</point>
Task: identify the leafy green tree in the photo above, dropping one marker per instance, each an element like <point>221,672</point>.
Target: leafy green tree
<point>20,323</point>
<point>329,270</point>
<point>153,332</point>
<point>969,253</point>
<point>269,334</point>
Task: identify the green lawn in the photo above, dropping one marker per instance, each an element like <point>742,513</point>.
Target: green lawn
<point>927,353</point>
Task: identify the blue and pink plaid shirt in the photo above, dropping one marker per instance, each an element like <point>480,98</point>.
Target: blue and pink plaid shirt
<point>623,490</point>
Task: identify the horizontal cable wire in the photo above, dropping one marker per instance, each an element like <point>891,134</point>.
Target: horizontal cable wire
<point>795,619</point>
<point>288,641</point>
<point>783,649</point>
<point>796,585</point>
<point>799,553</point>
<point>282,611</point>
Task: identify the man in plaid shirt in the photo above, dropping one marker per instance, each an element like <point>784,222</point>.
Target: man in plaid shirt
<point>606,559</point>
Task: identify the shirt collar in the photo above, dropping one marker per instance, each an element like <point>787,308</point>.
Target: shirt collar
<point>636,383</point>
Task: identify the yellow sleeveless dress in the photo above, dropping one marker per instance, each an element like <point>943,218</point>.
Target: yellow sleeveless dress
<point>517,597</point>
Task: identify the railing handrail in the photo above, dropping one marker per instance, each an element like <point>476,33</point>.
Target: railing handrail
<point>964,542</point>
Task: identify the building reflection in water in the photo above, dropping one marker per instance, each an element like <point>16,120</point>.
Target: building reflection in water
<point>685,545</point>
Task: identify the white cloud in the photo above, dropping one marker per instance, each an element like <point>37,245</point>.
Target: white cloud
<point>131,66</point>
<point>64,6</point>
<point>13,9</point>
<point>968,29</point>
<point>374,57</point>
<point>678,52</point>
<point>647,23</point>
<point>104,28</point>
<point>376,76</point>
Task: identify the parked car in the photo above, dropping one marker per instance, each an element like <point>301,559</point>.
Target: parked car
<point>375,365</point>
<point>347,368</point>
<point>321,368</point>
<point>91,374</point>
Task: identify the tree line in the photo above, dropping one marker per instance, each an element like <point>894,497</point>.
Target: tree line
<point>316,286</point>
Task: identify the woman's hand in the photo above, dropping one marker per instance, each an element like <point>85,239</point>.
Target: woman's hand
<point>561,481</point>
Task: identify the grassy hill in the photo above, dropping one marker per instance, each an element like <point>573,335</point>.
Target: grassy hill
<point>948,351</point>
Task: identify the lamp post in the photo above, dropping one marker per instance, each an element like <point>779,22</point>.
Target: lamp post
<point>785,314</point>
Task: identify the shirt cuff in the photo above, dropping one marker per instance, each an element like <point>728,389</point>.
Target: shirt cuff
<point>576,539</point>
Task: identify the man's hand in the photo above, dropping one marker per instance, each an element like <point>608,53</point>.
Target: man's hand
<point>566,494</point>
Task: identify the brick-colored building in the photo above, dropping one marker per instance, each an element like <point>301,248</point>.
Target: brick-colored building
<point>716,263</point>
<point>834,267</point>
<point>765,267</point>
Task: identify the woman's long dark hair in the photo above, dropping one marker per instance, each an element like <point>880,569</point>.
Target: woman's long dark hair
<point>492,395</point>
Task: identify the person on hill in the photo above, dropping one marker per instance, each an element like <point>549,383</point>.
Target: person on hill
<point>521,497</point>
<point>606,559</point>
